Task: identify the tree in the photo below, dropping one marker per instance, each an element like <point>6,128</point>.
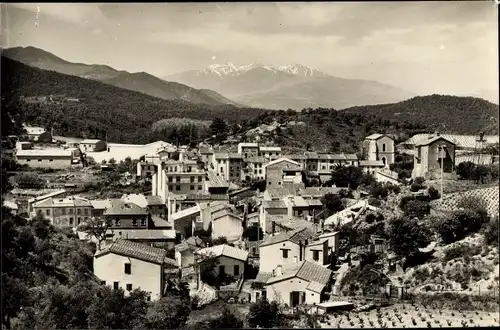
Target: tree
<point>491,231</point>
<point>29,180</point>
<point>350,176</point>
<point>263,314</point>
<point>112,161</point>
<point>406,236</point>
<point>456,225</point>
<point>170,312</point>
<point>219,128</point>
<point>253,233</point>
<point>416,208</point>
<point>95,227</point>
<point>333,202</point>
<point>226,321</point>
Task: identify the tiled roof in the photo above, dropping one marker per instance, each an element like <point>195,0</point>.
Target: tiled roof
<point>224,250</point>
<point>119,207</point>
<point>186,213</point>
<point>313,202</point>
<point>195,241</point>
<point>64,202</point>
<point>299,201</point>
<point>295,236</point>
<point>216,181</point>
<point>159,222</point>
<point>318,191</point>
<point>154,200</point>
<point>256,160</point>
<point>263,277</point>
<point>138,251</point>
<point>279,192</point>
<point>227,155</point>
<point>425,142</point>
<point>311,155</point>
<point>263,148</point>
<point>461,141</point>
<point>283,159</point>
<point>44,152</point>
<point>293,223</point>
<point>371,163</point>
<point>205,150</point>
<point>374,136</point>
<point>315,286</point>
<point>151,234</point>
<point>319,241</point>
<point>100,204</point>
<point>90,141</point>
<point>224,212</point>
<point>317,276</point>
<point>138,199</point>
<point>274,204</point>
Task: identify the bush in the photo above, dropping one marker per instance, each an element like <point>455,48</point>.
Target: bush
<point>415,187</point>
<point>461,250</point>
<point>458,224</point>
<point>417,209</point>
<point>29,180</point>
<point>374,202</point>
<point>491,232</point>
<point>370,218</point>
<point>419,180</point>
<point>433,193</point>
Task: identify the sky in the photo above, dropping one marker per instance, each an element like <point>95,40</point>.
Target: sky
<point>448,47</point>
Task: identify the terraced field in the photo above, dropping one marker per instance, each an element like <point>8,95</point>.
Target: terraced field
<point>408,316</point>
<point>490,195</point>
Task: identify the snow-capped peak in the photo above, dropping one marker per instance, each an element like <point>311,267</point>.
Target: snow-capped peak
<point>231,68</point>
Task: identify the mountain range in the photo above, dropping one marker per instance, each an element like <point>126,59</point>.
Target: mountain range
<point>292,86</point>
<point>288,86</point>
<point>140,82</point>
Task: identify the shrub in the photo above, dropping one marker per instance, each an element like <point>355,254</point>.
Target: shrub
<point>461,250</point>
<point>415,187</point>
<point>417,208</point>
<point>370,218</point>
<point>419,180</point>
<point>433,193</point>
<point>374,202</point>
<point>491,232</point>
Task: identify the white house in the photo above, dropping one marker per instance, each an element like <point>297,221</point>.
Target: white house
<point>184,252</point>
<point>333,241</point>
<point>295,284</point>
<point>228,224</point>
<point>230,260</point>
<point>284,248</point>
<point>129,265</point>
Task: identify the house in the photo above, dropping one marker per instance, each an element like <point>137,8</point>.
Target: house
<point>147,169</point>
<point>462,142</point>
<point>379,147</point>
<point>151,204</point>
<point>284,248</point>
<point>33,132</point>
<point>270,152</point>
<point>93,145</point>
<point>12,206</point>
<point>64,212</point>
<point>371,166</point>
<point>296,284</point>
<point>46,158</point>
<point>130,265</point>
<point>431,155</point>
<point>230,260</point>
<point>160,238</point>
<point>125,215</point>
<point>180,177</point>
<point>228,165</point>
<point>333,241</point>
<point>269,208</point>
<point>184,252</point>
<point>206,155</point>
<point>227,223</point>
<point>349,214</point>
<point>282,170</point>
<point>216,184</point>
<point>40,195</point>
<point>255,168</point>
<point>248,149</point>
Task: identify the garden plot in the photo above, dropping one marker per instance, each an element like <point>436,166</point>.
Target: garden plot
<point>409,316</point>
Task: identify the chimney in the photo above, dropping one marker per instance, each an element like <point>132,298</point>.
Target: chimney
<point>279,270</point>
<point>436,133</point>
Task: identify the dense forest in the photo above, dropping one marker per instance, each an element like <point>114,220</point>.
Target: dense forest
<point>443,113</point>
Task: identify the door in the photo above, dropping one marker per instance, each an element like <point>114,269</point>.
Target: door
<point>222,270</point>
<point>294,298</point>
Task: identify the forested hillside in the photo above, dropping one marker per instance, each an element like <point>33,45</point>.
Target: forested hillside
<point>443,113</point>
<point>126,116</point>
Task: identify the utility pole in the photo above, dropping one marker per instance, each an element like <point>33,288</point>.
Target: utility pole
<point>442,162</point>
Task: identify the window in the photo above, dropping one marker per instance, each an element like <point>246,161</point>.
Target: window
<point>254,251</point>
<point>315,255</point>
<point>129,287</point>
<point>199,187</point>
<point>39,160</point>
<point>128,268</point>
<point>47,212</point>
<point>192,179</point>
<point>70,211</point>
<point>177,187</point>
<point>28,160</point>
<point>51,160</point>
<point>200,179</point>
<point>148,298</point>
<point>103,282</point>
<point>117,222</point>
<point>170,179</point>
<point>79,212</point>
<point>383,147</point>
<point>260,171</point>
<point>86,211</point>
<point>236,270</point>
<point>255,172</point>
<point>70,221</point>
<point>285,253</point>
<point>178,179</point>
<point>115,285</point>
<point>79,220</point>
<point>191,187</point>
<point>170,188</point>
<point>134,222</point>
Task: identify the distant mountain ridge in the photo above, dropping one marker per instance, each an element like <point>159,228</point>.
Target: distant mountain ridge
<point>140,81</point>
<point>293,86</point>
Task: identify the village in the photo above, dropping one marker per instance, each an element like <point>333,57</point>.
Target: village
<point>243,221</point>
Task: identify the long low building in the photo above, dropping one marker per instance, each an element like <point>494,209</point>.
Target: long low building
<point>47,158</point>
